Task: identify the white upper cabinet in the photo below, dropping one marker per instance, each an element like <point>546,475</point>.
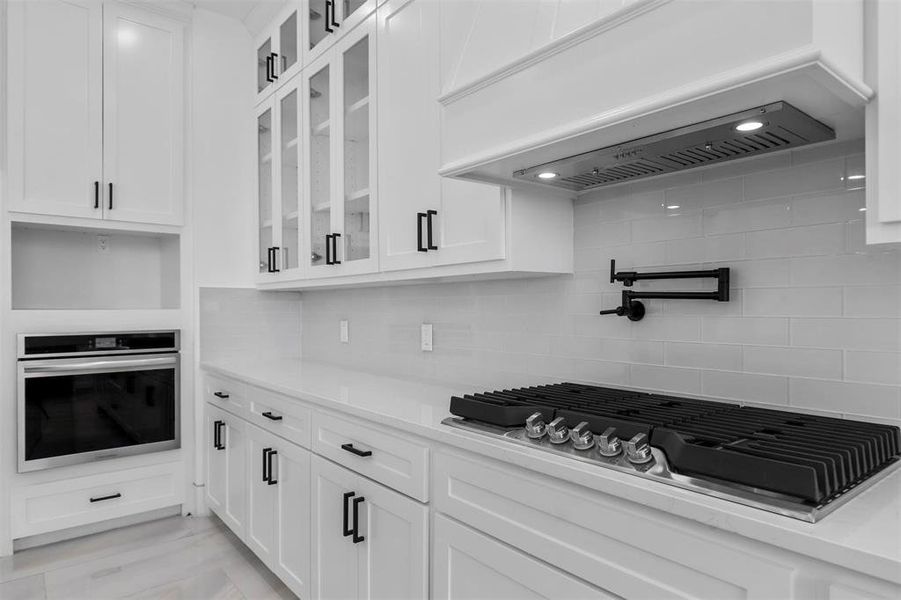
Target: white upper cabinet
<point>278,51</point>
<point>326,21</point>
<point>279,151</point>
<point>143,116</point>
<point>339,177</point>
<point>97,100</point>
<point>55,107</point>
<point>425,220</point>
<point>883,140</point>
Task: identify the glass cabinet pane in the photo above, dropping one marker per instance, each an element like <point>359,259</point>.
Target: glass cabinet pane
<point>288,136</point>
<point>320,164</point>
<point>356,151</point>
<point>287,40</point>
<point>264,192</point>
<point>350,6</point>
<point>263,65</point>
<point>317,22</point>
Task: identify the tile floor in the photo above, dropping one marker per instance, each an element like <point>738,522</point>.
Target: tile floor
<point>178,558</point>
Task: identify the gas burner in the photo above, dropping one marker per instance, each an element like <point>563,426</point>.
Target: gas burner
<point>798,465</point>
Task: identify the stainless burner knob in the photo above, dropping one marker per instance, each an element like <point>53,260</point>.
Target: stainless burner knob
<point>535,426</point>
<point>608,443</point>
<point>638,450</point>
<point>581,436</point>
<point>557,431</point>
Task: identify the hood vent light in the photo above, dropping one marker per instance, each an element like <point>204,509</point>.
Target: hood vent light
<point>776,126</point>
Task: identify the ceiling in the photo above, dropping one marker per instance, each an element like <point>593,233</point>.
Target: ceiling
<point>236,9</point>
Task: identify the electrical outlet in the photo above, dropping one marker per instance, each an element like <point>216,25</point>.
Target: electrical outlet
<point>102,244</point>
<point>344,332</point>
<point>426,337</point>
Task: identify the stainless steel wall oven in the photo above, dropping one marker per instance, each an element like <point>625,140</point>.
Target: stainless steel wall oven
<point>87,397</point>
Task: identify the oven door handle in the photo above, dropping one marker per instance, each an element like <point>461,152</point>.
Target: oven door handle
<point>47,367</point>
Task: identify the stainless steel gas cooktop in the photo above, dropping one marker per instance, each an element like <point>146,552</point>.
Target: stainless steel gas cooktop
<point>798,465</point>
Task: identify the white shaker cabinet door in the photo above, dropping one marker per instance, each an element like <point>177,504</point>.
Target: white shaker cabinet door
<point>55,104</point>
<point>335,574</point>
<point>468,565</point>
<point>262,499</point>
<point>143,116</point>
<point>292,559</point>
<point>425,220</point>
<point>226,482</point>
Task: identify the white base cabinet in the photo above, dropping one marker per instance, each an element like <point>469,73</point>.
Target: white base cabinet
<point>469,565</point>
<point>368,541</point>
<point>225,460</point>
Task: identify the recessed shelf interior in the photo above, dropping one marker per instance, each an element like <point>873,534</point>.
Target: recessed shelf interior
<point>71,268</point>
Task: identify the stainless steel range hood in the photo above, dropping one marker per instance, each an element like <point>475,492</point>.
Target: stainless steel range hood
<point>768,128</point>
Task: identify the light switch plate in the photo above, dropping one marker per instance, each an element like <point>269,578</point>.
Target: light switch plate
<point>344,332</point>
<point>426,337</point>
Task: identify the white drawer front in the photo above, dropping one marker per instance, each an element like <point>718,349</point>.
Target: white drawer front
<point>227,394</point>
<point>68,503</point>
<point>281,415</point>
<point>629,551</point>
<point>395,462</point>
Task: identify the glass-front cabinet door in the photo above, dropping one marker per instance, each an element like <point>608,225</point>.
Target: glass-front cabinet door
<point>279,158</point>
<point>339,193</point>
<point>356,152</point>
<point>265,184</point>
<point>327,21</point>
<point>278,52</point>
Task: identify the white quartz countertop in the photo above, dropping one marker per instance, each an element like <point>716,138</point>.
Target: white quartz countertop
<point>864,535</point>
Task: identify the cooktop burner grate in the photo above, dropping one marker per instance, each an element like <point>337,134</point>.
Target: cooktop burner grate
<point>809,457</point>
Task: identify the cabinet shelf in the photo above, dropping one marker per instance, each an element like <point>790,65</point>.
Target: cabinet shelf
<point>292,216</point>
<point>291,144</point>
<point>357,195</point>
<point>321,128</point>
<point>359,105</point>
<point>266,159</point>
<point>322,206</point>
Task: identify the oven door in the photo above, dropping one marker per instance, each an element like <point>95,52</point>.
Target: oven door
<point>85,409</point>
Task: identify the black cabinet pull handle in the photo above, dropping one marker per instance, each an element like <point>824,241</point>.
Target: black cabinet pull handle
<point>269,464</point>
<point>275,250</point>
<point>273,56</point>
<point>350,448</point>
<point>328,18</point>
<point>269,69</point>
<point>217,435</point>
<point>357,538</point>
<point>111,196</point>
<point>110,497</point>
<point>419,218</point>
<point>431,245</point>
<point>96,195</point>
<point>269,260</point>
<point>334,22</point>
<point>222,395</point>
<point>335,260</point>
<point>266,465</point>
<point>346,530</point>
<point>268,414</point>
<point>328,249</point>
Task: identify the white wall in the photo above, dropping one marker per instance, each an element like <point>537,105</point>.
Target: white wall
<point>813,323</point>
<point>222,150</point>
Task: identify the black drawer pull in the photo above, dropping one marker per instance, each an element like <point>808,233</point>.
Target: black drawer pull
<point>350,448</point>
<point>272,417</point>
<point>218,444</point>
<point>111,196</point>
<point>346,527</point>
<point>96,194</point>
<point>110,497</point>
<point>419,219</point>
<point>272,453</point>
<point>222,395</point>
<point>430,245</point>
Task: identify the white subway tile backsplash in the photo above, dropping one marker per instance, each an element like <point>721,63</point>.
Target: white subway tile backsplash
<point>813,240</point>
<point>841,396</point>
<point>813,177</point>
<point>745,330</point>
<point>793,302</point>
<point>703,356</point>
<point>875,367</point>
<point>799,362</point>
<point>766,389</point>
<point>813,321</point>
<point>747,216</point>
<point>848,333</point>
